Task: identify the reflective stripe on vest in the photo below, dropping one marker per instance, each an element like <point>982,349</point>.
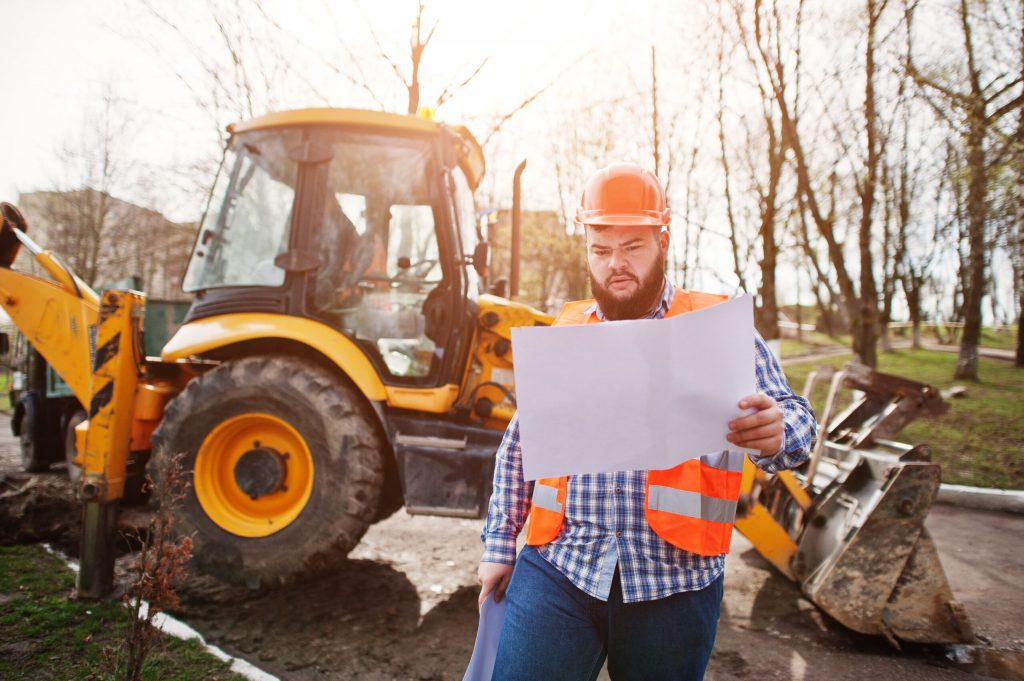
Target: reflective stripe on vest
<point>691,506</point>
<point>546,497</point>
<point>725,460</point>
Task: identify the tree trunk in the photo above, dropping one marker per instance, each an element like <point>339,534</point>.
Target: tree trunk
<point>865,336</point>
<point>967,362</point>
<point>768,324</point>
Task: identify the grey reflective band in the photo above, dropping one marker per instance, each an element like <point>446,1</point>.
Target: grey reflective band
<point>546,497</point>
<point>690,504</point>
<point>725,460</point>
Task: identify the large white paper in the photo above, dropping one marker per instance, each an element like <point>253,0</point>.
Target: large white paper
<point>488,633</point>
<point>641,394</point>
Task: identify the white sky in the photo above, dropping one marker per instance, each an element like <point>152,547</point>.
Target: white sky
<point>61,56</point>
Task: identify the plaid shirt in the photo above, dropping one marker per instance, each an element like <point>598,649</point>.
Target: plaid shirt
<point>604,524</point>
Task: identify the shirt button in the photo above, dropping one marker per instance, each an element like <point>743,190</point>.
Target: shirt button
<point>619,534</point>
<point>618,490</point>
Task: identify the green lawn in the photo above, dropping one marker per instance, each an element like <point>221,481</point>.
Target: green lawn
<point>980,440</point>
<point>42,629</point>
<point>812,342</point>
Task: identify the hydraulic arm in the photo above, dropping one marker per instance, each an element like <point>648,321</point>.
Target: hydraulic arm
<point>95,346</point>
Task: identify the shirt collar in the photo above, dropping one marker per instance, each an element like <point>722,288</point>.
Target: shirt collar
<point>657,312</point>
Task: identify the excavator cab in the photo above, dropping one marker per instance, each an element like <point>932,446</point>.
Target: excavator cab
<point>355,227</point>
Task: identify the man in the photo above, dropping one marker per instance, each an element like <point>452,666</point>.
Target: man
<point>610,569</point>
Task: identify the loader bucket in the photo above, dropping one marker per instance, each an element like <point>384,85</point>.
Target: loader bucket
<point>866,559</point>
<point>857,543</point>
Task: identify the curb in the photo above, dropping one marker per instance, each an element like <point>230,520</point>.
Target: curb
<point>982,498</point>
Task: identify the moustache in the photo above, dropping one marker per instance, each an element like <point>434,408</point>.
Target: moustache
<point>608,280</point>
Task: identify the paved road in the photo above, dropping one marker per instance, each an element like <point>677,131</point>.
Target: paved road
<point>404,607</point>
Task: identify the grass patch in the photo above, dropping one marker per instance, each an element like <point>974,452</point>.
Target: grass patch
<point>980,440</point>
<point>45,635</point>
<point>812,342</point>
<point>1002,338</point>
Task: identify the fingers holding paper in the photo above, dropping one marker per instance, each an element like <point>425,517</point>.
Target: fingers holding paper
<point>763,429</point>
<point>493,577</point>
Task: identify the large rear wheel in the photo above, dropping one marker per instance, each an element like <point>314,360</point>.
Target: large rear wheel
<point>284,465</point>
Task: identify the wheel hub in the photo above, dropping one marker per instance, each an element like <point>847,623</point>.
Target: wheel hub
<point>261,471</point>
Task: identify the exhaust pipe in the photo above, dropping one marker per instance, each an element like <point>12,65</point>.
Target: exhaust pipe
<point>516,224</point>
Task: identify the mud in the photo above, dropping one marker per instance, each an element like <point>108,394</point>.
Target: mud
<point>37,508</point>
<point>43,508</point>
<point>403,605</point>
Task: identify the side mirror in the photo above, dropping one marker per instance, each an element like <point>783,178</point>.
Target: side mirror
<point>480,254</point>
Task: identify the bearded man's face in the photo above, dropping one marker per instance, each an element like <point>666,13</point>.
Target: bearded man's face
<point>627,268</point>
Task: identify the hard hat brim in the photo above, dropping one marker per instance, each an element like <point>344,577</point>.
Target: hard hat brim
<point>601,218</point>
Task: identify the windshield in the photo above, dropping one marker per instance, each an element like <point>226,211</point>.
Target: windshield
<point>246,225</point>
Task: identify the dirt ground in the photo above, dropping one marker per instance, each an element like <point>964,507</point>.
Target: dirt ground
<point>403,606</point>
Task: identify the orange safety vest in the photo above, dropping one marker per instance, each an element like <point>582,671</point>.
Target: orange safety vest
<point>691,506</point>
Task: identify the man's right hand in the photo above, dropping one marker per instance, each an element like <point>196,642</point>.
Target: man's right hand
<point>493,577</point>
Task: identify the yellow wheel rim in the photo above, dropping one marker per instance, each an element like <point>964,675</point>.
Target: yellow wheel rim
<point>253,475</point>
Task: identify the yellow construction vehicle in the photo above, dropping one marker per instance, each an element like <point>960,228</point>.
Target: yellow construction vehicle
<point>341,359</point>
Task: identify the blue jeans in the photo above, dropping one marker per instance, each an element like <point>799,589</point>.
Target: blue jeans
<point>555,632</point>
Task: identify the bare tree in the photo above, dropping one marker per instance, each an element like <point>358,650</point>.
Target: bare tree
<point>990,95</point>
<point>82,214</point>
<point>862,305</point>
<point>774,152</point>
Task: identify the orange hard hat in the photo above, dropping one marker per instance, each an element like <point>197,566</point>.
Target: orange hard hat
<point>623,194</point>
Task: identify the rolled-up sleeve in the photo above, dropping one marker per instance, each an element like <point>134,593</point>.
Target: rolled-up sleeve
<point>800,427</point>
<point>510,500</point>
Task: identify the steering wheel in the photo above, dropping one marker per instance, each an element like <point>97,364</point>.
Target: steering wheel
<point>429,261</point>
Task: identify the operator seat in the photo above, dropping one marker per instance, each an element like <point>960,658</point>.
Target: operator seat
<point>345,256</point>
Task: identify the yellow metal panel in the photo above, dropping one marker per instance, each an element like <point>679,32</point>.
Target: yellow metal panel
<point>206,335</point>
<point>431,400</point>
<point>511,314</point>
<point>352,117</point>
<point>472,161</point>
<point>118,340</point>
<point>150,399</point>
<point>798,493</point>
<point>769,538</point>
<point>56,322</point>
<point>751,473</point>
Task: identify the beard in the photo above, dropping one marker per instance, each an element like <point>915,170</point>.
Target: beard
<point>636,306</point>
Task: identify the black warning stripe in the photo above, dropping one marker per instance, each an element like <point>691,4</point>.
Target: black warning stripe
<point>107,351</point>
<point>101,399</point>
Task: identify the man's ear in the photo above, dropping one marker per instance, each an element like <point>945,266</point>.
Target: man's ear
<point>663,239</point>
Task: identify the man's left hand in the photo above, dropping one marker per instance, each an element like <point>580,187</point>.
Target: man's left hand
<point>763,430</point>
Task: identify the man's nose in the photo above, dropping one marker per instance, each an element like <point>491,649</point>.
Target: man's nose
<point>616,261</point>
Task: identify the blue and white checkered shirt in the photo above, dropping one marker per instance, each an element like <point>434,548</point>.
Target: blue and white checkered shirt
<point>604,523</point>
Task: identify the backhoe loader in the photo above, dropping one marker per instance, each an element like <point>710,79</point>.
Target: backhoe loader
<point>340,359</point>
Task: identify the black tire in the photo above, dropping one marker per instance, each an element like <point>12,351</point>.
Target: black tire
<point>344,442</point>
<point>34,457</point>
<point>74,471</point>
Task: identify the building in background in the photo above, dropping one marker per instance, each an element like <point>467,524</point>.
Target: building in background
<point>107,240</point>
